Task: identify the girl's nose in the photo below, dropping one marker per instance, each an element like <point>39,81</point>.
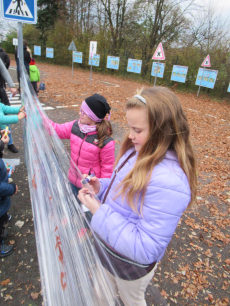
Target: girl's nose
<point>131,136</point>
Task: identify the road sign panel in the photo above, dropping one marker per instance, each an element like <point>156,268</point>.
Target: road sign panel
<point>206,62</point>
<point>20,10</point>
<point>93,48</point>
<point>206,77</point>
<point>15,41</point>
<point>72,46</point>
<point>159,53</point>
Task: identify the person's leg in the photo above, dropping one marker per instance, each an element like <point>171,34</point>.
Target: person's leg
<point>33,85</point>
<point>10,136</point>
<point>5,250</point>
<point>11,146</point>
<point>18,75</point>
<point>75,190</point>
<point>103,295</point>
<point>4,97</point>
<point>132,292</point>
<point>36,87</point>
<point>3,219</point>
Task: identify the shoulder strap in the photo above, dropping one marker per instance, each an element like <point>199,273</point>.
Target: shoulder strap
<point>115,173</point>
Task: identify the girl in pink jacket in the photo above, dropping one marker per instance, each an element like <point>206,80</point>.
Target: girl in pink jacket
<point>92,147</point>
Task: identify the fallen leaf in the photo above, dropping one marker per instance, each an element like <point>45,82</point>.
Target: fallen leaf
<point>34,295</point>
<point>8,297</point>
<point>19,223</point>
<point>5,282</point>
<point>163,293</point>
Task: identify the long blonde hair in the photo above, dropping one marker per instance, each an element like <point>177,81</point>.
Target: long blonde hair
<point>168,130</point>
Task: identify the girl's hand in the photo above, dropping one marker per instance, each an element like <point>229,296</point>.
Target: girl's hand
<point>94,183</point>
<point>3,132</point>
<point>21,115</point>
<point>5,139</point>
<point>16,189</point>
<point>13,91</point>
<point>22,109</point>
<point>88,200</point>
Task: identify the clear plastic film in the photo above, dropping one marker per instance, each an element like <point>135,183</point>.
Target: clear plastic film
<point>76,267</point>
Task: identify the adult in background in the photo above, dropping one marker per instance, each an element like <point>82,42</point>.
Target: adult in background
<point>5,77</point>
<point>5,58</point>
<point>27,60</point>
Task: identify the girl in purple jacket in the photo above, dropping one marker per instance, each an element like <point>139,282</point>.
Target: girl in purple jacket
<point>154,181</point>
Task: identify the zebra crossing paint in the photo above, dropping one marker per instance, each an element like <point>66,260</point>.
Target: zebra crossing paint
<point>16,102</point>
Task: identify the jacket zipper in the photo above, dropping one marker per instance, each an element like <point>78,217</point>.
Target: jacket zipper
<point>80,148</point>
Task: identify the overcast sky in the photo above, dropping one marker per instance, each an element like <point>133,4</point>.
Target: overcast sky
<point>222,6</point>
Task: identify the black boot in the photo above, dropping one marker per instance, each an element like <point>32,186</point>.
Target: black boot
<point>5,250</point>
<point>12,148</point>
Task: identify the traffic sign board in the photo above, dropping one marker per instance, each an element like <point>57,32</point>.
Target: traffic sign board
<point>159,53</point>
<point>20,10</point>
<point>206,62</point>
<point>92,48</point>
<point>15,41</point>
<point>72,46</point>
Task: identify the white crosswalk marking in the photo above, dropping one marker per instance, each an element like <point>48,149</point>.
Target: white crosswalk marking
<point>15,102</point>
<point>13,99</point>
<point>48,108</point>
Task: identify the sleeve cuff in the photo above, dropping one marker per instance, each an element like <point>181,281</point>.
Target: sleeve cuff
<point>14,185</point>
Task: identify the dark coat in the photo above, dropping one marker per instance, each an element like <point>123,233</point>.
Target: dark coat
<point>6,189</point>
<point>27,58</point>
<point>6,60</point>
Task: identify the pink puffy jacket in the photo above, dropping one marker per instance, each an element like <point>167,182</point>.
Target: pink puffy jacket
<point>85,152</point>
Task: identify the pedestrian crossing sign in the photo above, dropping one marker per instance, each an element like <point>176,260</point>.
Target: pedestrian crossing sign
<point>20,10</point>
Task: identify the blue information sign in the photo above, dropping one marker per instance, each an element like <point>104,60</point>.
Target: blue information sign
<point>113,62</point>
<point>229,88</point>
<point>20,10</point>
<point>134,65</point>
<point>37,50</point>
<point>158,68</point>
<point>50,52</point>
<point>209,77</point>
<point>95,61</point>
<point>179,73</point>
<point>77,57</point>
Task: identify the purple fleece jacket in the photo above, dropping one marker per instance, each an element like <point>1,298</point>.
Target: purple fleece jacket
<point>145,238</point>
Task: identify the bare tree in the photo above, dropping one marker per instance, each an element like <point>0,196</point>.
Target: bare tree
<point>161,21</point>
<point>117,13</point>
<point>208,29</point>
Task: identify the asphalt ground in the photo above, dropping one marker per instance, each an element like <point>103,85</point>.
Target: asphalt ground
<point>194,270</point>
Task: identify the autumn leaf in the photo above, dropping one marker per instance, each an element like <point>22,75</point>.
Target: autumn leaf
<point>5,282</point>
<point>164,294</point>
<point>227,261</point>
<point>8,297</point>
<point>34,295</point>
<point>175,280</point>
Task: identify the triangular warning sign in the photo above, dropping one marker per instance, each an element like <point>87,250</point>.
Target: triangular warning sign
<point>18,8</point>
<point>159,53</point>
<point>206,62</point>
<point>72,46</point>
